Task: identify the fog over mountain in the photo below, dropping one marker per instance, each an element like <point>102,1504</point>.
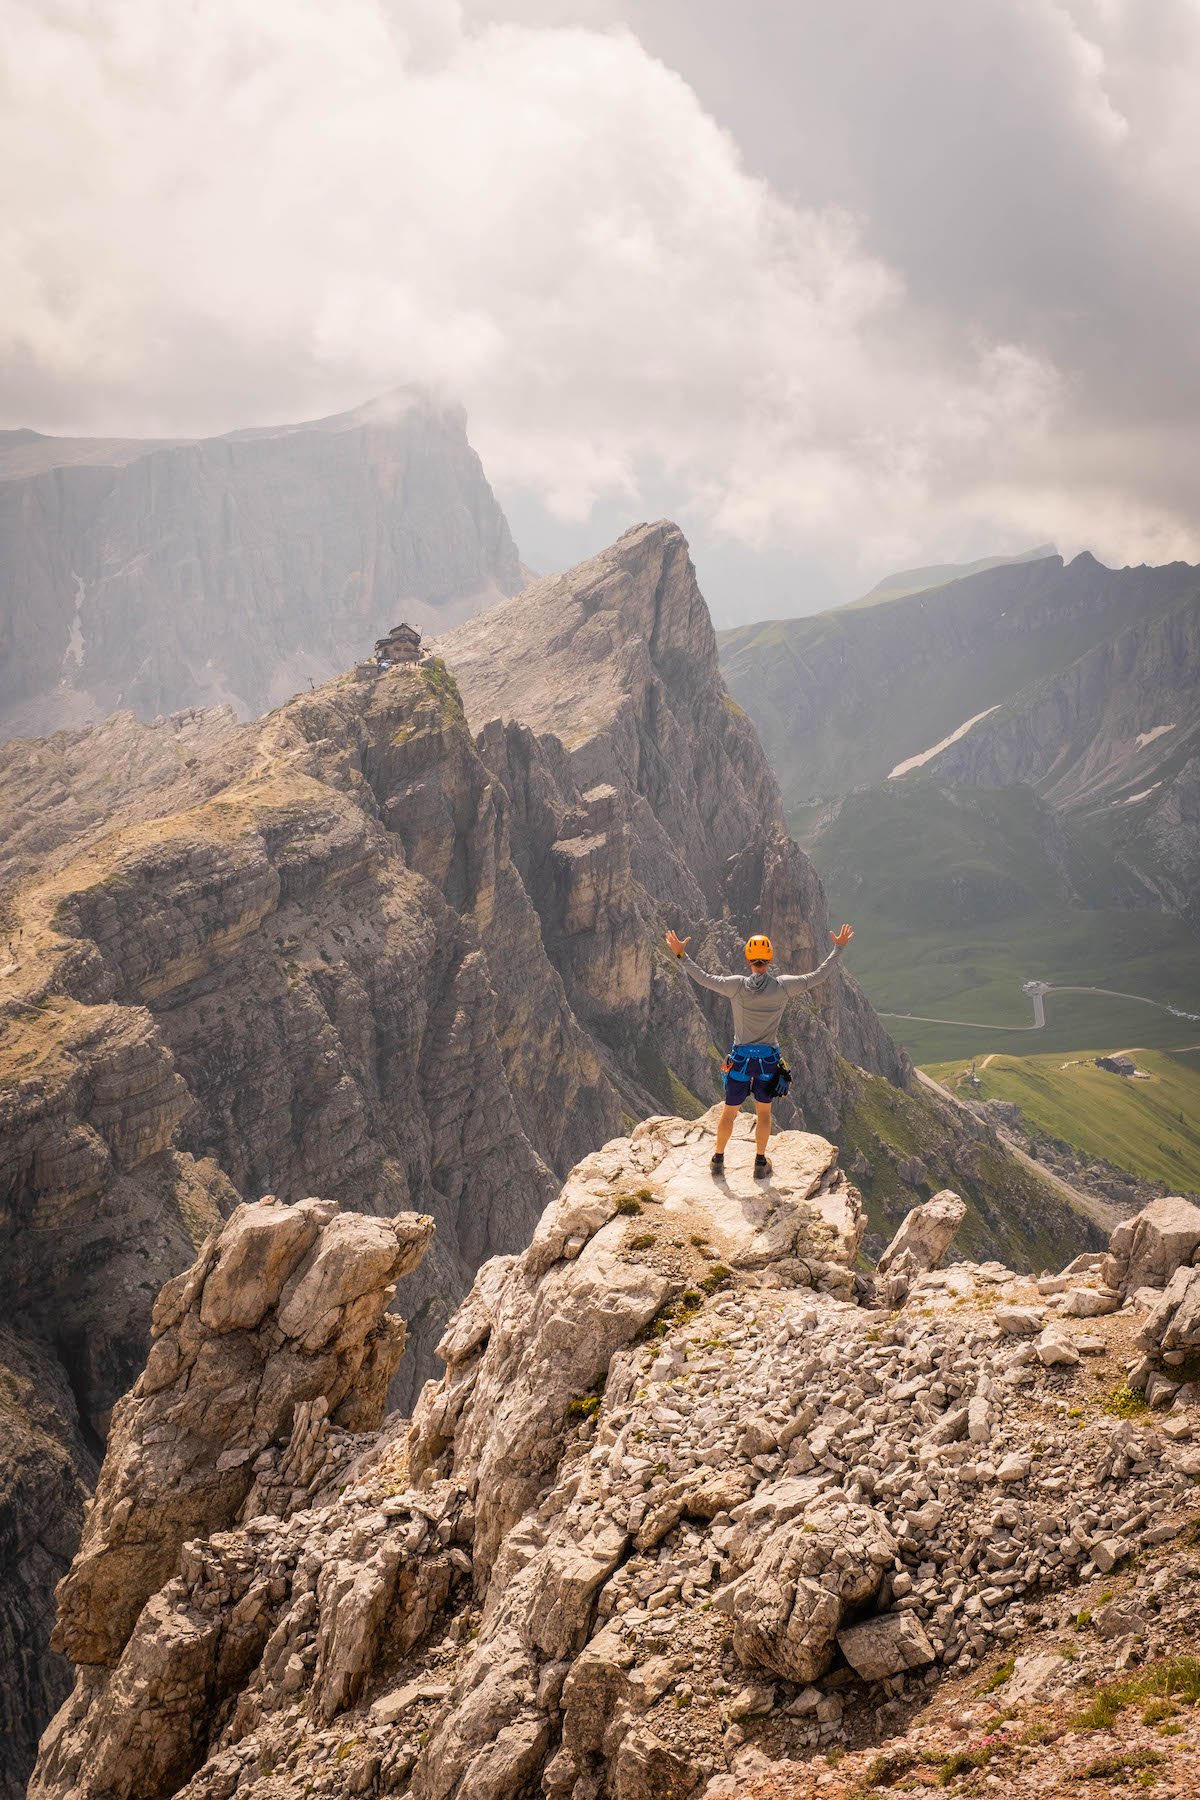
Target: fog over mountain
<point>842,292</point>
<point>154,576</point>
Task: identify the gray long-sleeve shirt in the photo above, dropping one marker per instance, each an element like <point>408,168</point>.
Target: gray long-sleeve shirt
<point>759,1001</point>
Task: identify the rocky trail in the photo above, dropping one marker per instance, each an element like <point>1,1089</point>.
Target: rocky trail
<point>698,1508</point>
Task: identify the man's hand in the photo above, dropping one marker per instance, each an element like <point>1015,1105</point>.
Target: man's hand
<point>677,945</point>
<point>842,938</point>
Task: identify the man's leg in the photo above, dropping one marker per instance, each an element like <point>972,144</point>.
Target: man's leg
<point>725,1126</point>
<point>762,1126</point>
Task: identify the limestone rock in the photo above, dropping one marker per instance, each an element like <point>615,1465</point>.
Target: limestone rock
<point>1090,1303</point>
<point>639,1458</point>
<point>1150,1247</point>
<point>803,1576</point>
<point>925,1235</point>
<point>1020,1321</point>
<point>1174,1323</point>
<point>221,1386</point>
<point>1055,1350</point>
<point>886,1645</point>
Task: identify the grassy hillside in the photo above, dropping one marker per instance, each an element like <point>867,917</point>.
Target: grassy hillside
<point>959,895</point>
<point>1151,1127</point>
<point>1011,1213</point>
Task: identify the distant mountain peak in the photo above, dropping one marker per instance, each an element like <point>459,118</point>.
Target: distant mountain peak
<point>235,570</point>
<point>914,581</point>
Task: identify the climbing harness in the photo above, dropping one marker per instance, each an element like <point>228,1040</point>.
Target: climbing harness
<point>750,1062</point>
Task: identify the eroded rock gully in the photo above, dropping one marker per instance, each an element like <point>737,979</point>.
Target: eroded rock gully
<point>694,1500</point>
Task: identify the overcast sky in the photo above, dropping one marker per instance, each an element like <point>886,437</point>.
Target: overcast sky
<point>843,287</point>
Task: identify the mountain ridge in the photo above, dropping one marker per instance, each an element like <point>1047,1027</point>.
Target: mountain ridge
<point>235,569</point>
<point>374,948</point>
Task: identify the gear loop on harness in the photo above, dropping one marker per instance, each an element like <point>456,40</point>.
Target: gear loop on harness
<point>750,1062</point>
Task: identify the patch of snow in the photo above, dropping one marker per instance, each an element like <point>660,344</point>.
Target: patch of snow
<point>918,762</point>
<point>1132,799</point>
<point>1148,737</point>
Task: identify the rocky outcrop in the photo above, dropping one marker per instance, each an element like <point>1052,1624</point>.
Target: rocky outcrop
<point>285,1307</point>
<point>235,569</point>
<point>281,1322</point>
<point>925,1235</point>
<point>685,1507</point>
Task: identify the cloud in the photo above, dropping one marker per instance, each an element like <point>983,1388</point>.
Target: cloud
<point>255,209</point>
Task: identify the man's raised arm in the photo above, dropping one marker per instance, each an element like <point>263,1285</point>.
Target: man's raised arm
<point>717,984</point>
<point>790,983</point>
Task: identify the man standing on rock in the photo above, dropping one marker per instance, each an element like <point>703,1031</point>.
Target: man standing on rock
<point>759,1000</point>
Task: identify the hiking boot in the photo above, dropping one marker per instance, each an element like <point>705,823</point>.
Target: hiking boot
<point>717,1162</point>
<point>761,1167</point>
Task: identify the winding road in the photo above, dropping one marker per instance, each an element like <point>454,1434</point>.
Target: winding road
<point>1037,991</point>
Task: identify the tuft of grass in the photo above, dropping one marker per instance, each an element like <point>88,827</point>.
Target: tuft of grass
<point>1122,1763</point>
<point>997,1678</point>
<point>1178,1678</point>
<point>628,1206</point>
<point>642,1241</point>
<point>586,1406</point>
<point>1082,1620</point>
<point>716,1277</point>
<point>1102,1711</point>
<point>886,1769</point>
<point>645,1193</point>
<point>1124,1402</point>
<point>962,1762</point>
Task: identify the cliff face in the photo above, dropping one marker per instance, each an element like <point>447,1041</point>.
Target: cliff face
<point>600,708</point>
<point>692,1504</point>
<point>234,569</point>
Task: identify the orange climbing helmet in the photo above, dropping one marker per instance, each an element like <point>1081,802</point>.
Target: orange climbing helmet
<point>758,949</point>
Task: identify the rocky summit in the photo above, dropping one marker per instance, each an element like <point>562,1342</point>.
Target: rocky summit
<point>697,1508</point>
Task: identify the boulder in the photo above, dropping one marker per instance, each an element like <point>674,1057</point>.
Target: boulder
<point>801,1578</point>
<point>1019,1321</point>
<point>1174,1323</point>
<point>1090,1303</point>
<point>1155,1242</point>
<point>1054,1350</point>
<point>1037,1677</point>
<point>925,1235</point>
<point>887,1645</point>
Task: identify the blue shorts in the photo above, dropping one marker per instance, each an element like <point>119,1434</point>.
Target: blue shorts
<point>759,1080</point>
